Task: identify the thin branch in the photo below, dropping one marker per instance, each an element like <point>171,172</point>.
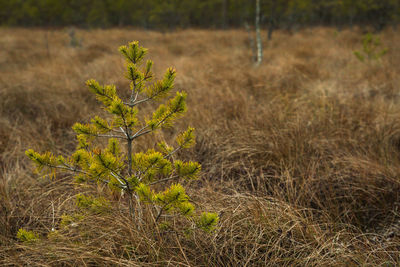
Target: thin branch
<point>163,207</point>
<point>109,136</point>
<point>138,132</point>
<point>140,101</point>
<point>164,180</point>
<point>116,131</point>
<point>136,136</point>
<point>103,94</point>
<point>117,176</point>
<point>119,181</point>
<point>125,133</point>
<point>134,103</point>
<point>132,99</point>
<point>160,212</point>
<point>105,135</point>
<point>68,168</point>
<point>173,152</point>
<point>72,169</point>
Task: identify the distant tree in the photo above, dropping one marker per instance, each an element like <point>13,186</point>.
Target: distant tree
<point>32,13</point>
<point>258,33</point>
<point>274,12</point>
<point>6,8</point>
<point>75,13</point>
<point>120,11</point>
<point>206,13</point>
<point>98,14</point>
<point>198,13</point>
<point>298,12</point>
<point>166,14</point>
<point>347,10</point>
<point>241,12</point>
<point>380,12</point>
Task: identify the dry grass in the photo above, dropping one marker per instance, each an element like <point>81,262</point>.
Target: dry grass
<point>301,156</point>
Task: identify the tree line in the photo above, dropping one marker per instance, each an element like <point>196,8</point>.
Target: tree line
<point>170,14</point>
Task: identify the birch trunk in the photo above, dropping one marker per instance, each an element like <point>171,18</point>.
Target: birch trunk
<point>258,34</point>
<point>251,40</point>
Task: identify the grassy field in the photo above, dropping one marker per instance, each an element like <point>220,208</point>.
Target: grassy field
<point>300,156</point>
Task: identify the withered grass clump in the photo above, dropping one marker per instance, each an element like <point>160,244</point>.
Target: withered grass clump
<point>300,157</point>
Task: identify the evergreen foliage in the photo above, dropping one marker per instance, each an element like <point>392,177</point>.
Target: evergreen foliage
<point>138,175</point>
<point>92,204</point>
<point>372,48</point>
<point>27,236</point>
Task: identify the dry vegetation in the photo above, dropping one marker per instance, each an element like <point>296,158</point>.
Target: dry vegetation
<point>301,156</point>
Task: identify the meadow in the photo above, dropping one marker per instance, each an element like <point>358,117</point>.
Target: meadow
<point>300,156</point>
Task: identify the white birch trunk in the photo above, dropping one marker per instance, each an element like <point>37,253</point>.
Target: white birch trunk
<point>252,44</point>
<point>258,34</point>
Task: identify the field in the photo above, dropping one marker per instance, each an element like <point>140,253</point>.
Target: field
<point>300,156</point>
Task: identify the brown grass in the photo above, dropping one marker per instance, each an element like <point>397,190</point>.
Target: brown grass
<point>301,156</point>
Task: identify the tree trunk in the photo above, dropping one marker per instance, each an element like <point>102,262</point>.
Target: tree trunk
<point>270,30</point>
<point>224,13</point>
<point>258,34</point>
<point>251,40</point>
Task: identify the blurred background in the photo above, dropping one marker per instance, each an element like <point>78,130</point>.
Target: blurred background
<point>172,14</point>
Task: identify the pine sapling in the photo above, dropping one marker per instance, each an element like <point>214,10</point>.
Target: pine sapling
<point>371,49</point>
<point>145,177</point>
<point>74,41</point>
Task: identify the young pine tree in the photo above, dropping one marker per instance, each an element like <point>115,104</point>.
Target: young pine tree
<point>372,49</point>
<point>149,177</point>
